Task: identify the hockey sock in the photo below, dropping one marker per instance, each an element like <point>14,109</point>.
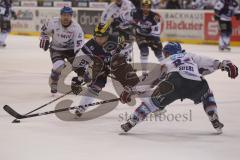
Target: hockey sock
<point>88,98</point>
<point>224,40</point>
<point>144,62</point>
<point>3,37</point>
<point>210,106</point>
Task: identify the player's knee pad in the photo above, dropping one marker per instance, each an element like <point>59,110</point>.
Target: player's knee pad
<point>126,75</point>
<point>158,54</point>
<point>144,51</point>
<point>226,28</point>
<point>225,36</point>
<point>161,92</point>
<point>94,89</point>
<point>156,45</point>
<point>58,66</point>
<point>141,40</point>
<point>56,70</point>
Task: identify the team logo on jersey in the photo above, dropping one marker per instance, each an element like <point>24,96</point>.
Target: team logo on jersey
<point>92,48</point>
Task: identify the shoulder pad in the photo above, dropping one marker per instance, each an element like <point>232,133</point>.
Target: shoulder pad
<point>235,3</point>
<point>133,12</point>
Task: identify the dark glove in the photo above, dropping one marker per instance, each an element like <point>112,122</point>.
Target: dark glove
<point>125,96</point>
<point>116,22</point>
<point>76,85</point>
<point>44,42</point>
<point>228,66</point>
<point>145,30</point>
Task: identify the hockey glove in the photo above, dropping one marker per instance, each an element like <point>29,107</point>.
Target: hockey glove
<point>125,96</point>
<point>144,31</point>
<point>116,22</point>
<point>228,66</point>
<point>76,85</point>
<point>44,43</point>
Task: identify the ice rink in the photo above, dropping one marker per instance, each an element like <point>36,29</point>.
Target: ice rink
<point>24,72</point>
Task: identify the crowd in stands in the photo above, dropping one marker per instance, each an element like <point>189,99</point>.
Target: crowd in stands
<point>159,4</point>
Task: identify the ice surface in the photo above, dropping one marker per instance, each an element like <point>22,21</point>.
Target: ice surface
<point>24,71</point>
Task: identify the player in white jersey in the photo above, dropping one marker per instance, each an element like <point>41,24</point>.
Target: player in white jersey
<point>115,9</point>
<point>112,12</point>
<point>224,11</point>
<point>67,38</point>
<point>203,4</point>
<point>6,13</point>
<point>183,78</point>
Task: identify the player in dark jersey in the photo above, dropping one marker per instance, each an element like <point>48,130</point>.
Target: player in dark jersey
<point>104,51</point>
<point>147,24</point>
<point>224,11</point>
<point>6,13</point>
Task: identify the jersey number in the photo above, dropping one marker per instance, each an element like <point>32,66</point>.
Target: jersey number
<point>177,62</point>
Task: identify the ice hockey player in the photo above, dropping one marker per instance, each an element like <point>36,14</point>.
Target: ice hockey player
<point>6,13</point>
<point>183,79</point>
<point>115,9</point>
<point>147,25</point>
<point>104,52</point>
<point>112,12</point>
<point>67,40</point>
<point>224,11</point>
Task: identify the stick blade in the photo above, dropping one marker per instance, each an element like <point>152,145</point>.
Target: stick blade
<point>12,112</point>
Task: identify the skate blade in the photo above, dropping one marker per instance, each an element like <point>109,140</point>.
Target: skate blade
<point>122,132</point>
<point>219,131</point>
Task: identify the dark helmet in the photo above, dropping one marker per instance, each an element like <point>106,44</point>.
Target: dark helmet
<point>102,30</point>
<point>172,48</point>
<point>67,10</point>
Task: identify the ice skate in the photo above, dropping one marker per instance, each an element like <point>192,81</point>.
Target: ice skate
<point>79,111</point>
<point>3,45</point>
<point>217,125</point>
<point>53,86</point>
<point>128,125</point>
<point>144,75</point>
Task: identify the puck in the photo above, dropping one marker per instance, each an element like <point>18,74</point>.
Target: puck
<point>16,121</point>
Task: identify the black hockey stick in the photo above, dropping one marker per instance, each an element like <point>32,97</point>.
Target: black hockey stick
<point>16,120</point>
<point>13,113</point>
<point>54,100</point>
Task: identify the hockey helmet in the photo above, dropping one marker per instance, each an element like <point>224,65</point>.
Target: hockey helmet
<point>172,48</point>
<point>147,3</point>
<point>67,10</point>
<point>102,30</point>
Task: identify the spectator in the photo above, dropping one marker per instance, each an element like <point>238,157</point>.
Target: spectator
<point>137,3</point>
<point>173,4</point>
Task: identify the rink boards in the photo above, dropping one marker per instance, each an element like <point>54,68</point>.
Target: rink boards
<point>186,26</point>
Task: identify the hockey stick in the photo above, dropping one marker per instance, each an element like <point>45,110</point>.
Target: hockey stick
<point>54,100</point>
<point>15,114</point>
<point>16,120</point>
